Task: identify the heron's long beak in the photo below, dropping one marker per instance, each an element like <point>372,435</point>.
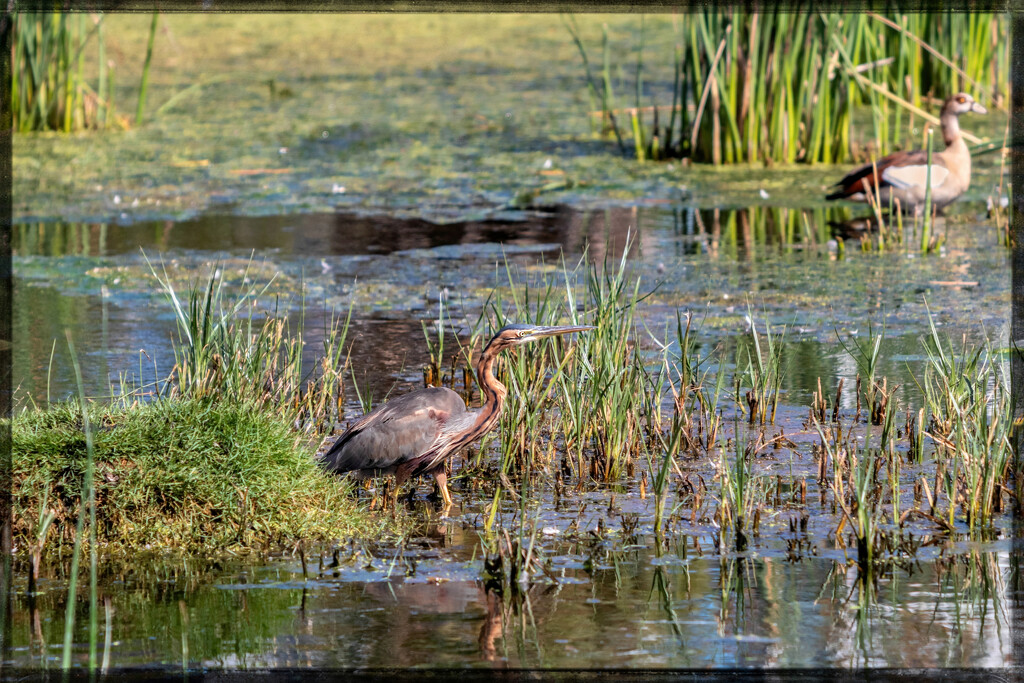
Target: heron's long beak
<point>978,109</point>
<point>540,332</point>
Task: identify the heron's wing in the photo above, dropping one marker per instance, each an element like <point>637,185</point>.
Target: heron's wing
<point>915,175</point>
<point>457,431</point>
<point>398,431</point>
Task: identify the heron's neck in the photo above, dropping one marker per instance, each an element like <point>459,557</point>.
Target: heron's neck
<point>487,415</point>
<point>494,392</point>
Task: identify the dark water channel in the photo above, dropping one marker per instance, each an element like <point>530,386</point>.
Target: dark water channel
<point>614,595</point>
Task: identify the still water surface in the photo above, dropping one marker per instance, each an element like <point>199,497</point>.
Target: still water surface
<point>608,604</point>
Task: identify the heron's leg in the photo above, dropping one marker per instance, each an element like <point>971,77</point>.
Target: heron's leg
<point>442,485</point>
<point>400,476</point>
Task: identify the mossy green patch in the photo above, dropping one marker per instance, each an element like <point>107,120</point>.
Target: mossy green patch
<point>431,115</point>
<point>179,474</point>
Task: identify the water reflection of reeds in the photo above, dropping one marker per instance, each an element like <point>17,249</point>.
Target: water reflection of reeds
<point>680,609</point>
<point>59,239</point>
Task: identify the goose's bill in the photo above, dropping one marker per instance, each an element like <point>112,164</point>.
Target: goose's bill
<point>978,109</point>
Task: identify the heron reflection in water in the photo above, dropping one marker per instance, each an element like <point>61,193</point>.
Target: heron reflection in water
<point>415,433</point>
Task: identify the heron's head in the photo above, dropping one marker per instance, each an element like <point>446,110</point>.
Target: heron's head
<point>514,335</point>
<point>961,103</point>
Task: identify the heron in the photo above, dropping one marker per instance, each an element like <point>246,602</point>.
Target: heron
<point>415,433</point>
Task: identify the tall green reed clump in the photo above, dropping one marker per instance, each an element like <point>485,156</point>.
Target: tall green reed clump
<point>780,87</point>
<point>619,413</point>
<point>694,426</point>
<point>607,401</point>
<point>49,87</point>
<point>48,90</point>
<point>527,373</point>
<point>968,397</point>
<point>229,349</point>
<point>940,53</point>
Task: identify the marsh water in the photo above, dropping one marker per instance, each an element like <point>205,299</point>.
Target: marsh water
<point>613,593</point>
<point>611,603</point>
<point>96,280</point>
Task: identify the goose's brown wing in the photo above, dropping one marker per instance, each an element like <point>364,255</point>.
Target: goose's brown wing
<point>860,179</point>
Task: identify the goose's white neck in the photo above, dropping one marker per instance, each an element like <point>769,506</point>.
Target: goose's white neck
<point>950,129</point>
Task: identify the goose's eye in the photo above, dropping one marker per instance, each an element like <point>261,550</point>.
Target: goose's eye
<point>961,100</point>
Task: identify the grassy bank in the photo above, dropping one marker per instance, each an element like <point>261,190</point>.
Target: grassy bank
<point>185,474</point>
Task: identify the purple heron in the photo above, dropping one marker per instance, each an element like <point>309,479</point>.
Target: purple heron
<point>414,434</point>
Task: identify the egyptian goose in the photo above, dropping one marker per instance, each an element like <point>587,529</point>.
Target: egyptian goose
<point>903,175</point>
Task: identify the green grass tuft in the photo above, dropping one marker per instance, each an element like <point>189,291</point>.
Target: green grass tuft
<point>178,474</point>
